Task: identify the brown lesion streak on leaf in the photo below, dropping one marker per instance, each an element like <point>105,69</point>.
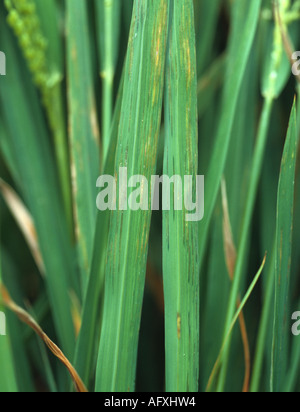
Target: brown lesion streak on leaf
<point>93,120</point>
<point>178,325</point>
<point>74,53</point>
<point>280,257</point>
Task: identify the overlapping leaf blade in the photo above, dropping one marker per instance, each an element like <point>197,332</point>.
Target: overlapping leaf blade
<point>129,230</point>
<point>28,137</point>
<point>285,213</point>
<point>180,237</point>
<point>83,129</point>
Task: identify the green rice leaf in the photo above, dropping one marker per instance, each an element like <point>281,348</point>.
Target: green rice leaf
<point>8,382</point>
<point>138,136</point>
<point>84,134</point>
<point>180,237</point>
<point>39,187</point>
<point>87,344</point>
<point>246,14</point>
<point>285,213</point>
<point>108,18</point>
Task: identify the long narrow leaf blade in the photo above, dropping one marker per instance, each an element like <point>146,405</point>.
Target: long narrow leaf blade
<point>248,13</point>
<point>129,230</point>
<point>84,134</point>
<point>180,237</point>
<point>285,213</point>
<point>108,17</point>
<point>8,381</point>
<point>86,346</point>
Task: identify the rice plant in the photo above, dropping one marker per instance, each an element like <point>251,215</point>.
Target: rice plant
<point>149,191</point>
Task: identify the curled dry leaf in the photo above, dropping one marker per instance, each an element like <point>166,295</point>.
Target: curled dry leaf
<point>230,257</point>
<point>28,320</point>
<point>229,247</point>
<point>236,317</point>
<point>24,221</point>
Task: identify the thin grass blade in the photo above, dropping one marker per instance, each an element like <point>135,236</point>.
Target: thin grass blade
<point>235,319</point>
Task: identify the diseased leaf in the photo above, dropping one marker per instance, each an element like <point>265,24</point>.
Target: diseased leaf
<point>129,230</point>
<point>180,237</point>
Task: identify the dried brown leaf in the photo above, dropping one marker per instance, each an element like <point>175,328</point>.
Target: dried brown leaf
<point>229,247</point>
<point>28,320</point>
<point>230,257</point>
<point>24,221</point>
